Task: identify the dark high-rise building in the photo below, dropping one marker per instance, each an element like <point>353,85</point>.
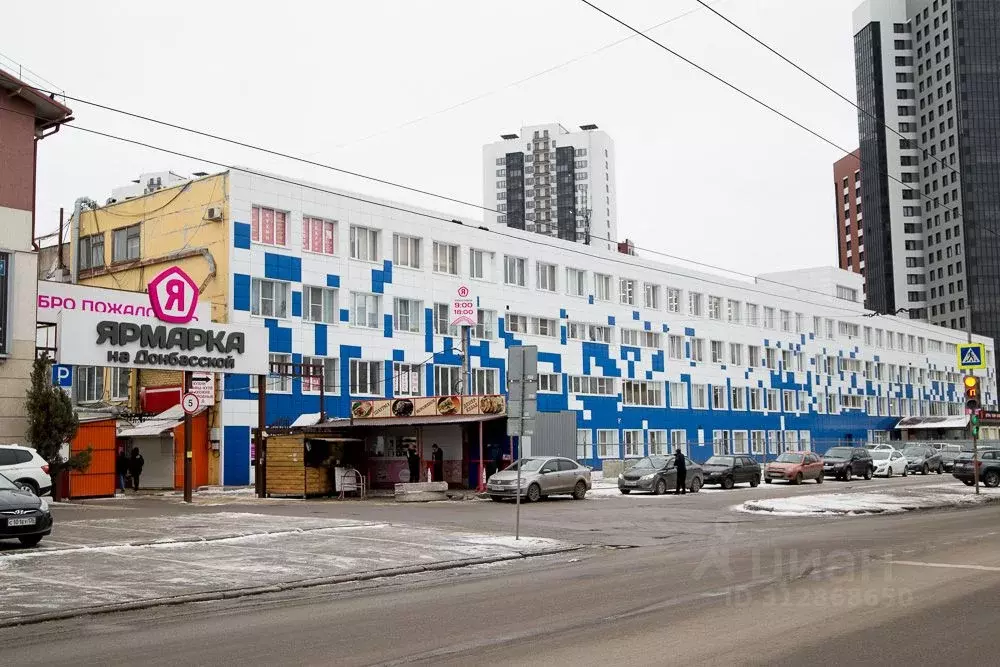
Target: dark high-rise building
<point>850,234</point>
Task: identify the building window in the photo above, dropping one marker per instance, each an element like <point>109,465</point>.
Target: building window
<point>484,381</point>
<point>678,395</point>
<point>280,379</point>
<point>407,314</point>
<point>119,383</point>
<point>318,235</point>
<point>753,314</point>
<point>91,251</point>
<point>633,443</point>
<point>736,354</point>
<point>548,383</point>
<point>607,443</point>
<point>627,291</point>
<point>442,320</point>
<point>485,328</point>
<point>678,440</point>
<point>366,377</point>
<point>847,293</point>
<point>325,365</point>
<point>546,276</point>
<point>739,442</point>
<point>366,310</point>
<point>695,304</point>
<point>673,300</point>
<point>319,304</point>
<point>406,251</point>
<point>268,226</point>
<point>543,326</point>
<point>602,287</point>
<point>364,244</point>
<point>734,313</point>
<point>125,244</point>
<point>786,320</point>
<point>445,258</point>
<point>584,443</point>
<point>699,397</point>
<point>480,264</point>
<point>406,379</point>
<point>516,323</point>
<point>513,271</point>
<point>719,401</point>
<point>447,379</point>
<point>675,346</point>
<point>697,349</point>
<point>718,352</point>
<point>768,317</point>
<point>588,384</point>
<point>738,398</point>
<point>576,284</point>
<point>637,392</point>
<point>651,294</point>
<point>714,308</point>
<point>657,443</point>
<point>268,298</point>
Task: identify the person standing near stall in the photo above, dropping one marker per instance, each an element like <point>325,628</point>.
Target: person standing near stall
<point>413,462</point>
<point>437,457</point>
<point>135,467</point>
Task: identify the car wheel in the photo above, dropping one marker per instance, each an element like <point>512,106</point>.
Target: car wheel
<point>754,482</point>
<point>27,485</point>
<point>496,499</point>
<point>580,490</point>
<point>848,473</point>
<point>906,471</point>
<point>727,483</point>
<point>660,487</point>
<point>869,473</point>
<point>625,492</point>
<point>767,481</point>
<point>819,480</point>
<point>925,470</point>
<point>991,479</point>
<point>695,485</point>
<point>940,469</point>
<point>30,540</point>
<point>798,479</point>
<point>534,493</point>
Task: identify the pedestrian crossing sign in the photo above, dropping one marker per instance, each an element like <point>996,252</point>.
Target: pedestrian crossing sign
<point>971,356</point>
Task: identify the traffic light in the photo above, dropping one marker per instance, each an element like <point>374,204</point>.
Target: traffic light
<point>974,420</point>
<point>972,393</point>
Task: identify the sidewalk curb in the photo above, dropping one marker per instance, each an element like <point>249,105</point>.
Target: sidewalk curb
<point>230,594</point>
<point>752,507</point>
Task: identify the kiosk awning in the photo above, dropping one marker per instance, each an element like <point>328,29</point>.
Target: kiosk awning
<point>410,421</point>
<point>167,420</point>
<point>951,421</point>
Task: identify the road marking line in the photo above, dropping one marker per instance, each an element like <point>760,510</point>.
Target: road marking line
<point>957,566</point>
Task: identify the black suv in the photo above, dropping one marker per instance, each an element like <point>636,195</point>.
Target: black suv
<point>729,470</point>
<point>845,462</point>
<point>989,468</point>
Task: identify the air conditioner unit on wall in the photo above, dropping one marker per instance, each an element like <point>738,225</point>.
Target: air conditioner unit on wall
<point>213,213</point>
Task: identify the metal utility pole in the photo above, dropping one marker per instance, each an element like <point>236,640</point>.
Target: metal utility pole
<point>260,478</point>
<point>972,418</point>
<point>522,395</point>
<point>188,449</point>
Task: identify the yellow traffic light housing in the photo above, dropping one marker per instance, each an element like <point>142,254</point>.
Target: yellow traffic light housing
<point>971,392</point>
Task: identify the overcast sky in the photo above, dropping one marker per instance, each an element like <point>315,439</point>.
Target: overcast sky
<point>702,172</point>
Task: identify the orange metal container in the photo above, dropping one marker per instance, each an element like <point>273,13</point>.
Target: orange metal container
<point>99,478</point>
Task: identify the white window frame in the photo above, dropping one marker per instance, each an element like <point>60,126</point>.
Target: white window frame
<point>258,300</point>
<point>331,375</point>
<point>445,258</point>
<point>126,243</point>
<point>738,398</point>
<point>740,442</point>
<point>591,385</point>
<point>514,271</point>
<point>282,382</point>
<point>651,295</point>
<point>699,396</point>
<point>646,393</point>
<point>576,282</point>
<point>259,212</point>
<point>365,244</point>
<point>407,379</point>
<point>626,291</point>
<point>412,317</point>
<point>361,382</point>
<point>406,251</point>
<point>486,325</point>
<point>758,442</point>
<point>545,276</point>
<point>736,354</point>
<point>720,391</point>
<point>584,443</point>
<point>673,299</point>
<point>602,287</point>
<point>485,381</point>
<point>548,383</point>
<point>442,320</point>
<point>658,442</point>
<point>328,229</point>
<point>607,443</point>
<point>366,310</point>
<point>329,310</point>
<point>678,395</point>
<point>480,264</point>
<point>633,442</point>
<point>447,379</point>
<point>116,383</point>
<point>678,440</point>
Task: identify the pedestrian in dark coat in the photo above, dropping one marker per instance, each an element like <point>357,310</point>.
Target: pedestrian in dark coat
<point>135,467</point>
<point>681,465</point>
<point>437,457</point>
<point>413,462</point>
<point>121,469</point>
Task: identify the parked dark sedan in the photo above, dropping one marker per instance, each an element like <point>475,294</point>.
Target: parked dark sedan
<point>845,462</point>
<point>658,475</point>
<point>23,515</point>
<point>727,471</point>
<point>923,459</point>
<point>949,456</point>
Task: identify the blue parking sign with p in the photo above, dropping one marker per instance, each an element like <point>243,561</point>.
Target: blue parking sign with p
<point>62,376</point>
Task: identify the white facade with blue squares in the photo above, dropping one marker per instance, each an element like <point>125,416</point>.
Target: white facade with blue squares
<point>650,356</point>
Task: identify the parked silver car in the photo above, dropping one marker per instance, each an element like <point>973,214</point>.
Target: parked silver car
<point>541,476</point>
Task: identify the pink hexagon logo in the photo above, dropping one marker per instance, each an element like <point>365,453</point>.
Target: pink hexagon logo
<point>173,296</point>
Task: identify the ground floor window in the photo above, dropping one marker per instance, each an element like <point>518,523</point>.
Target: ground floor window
<point>584,443</point>
<point>721,443</point>
<point>757,442</point>
<point>791,441</point>
<point>679,440</point>
<point>805,441</point>
<point>607,443</point>
<point>89,384</point>
<point>657,443</point>
<point>739,442</point>
<point>773,442</point>
<point>633,443</point>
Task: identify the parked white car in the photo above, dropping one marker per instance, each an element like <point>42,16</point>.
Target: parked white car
<point>24,467</point>
<point>889,462</point>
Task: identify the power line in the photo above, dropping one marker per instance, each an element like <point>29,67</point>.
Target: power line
<point>811,75</point>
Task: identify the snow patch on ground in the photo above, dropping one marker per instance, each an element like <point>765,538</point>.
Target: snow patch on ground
<point>854,504</point>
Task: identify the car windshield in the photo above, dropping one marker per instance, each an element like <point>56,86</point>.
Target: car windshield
<point>651,462</point>
<point>914,451</point>
<point>838,453</point>
<point>789,458</point>
<point>881,454</point>
<point>529,465</point>
<point>6,484</point>
<point>720,461</point>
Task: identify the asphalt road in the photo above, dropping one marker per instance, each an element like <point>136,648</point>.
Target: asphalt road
<point>664,581</point>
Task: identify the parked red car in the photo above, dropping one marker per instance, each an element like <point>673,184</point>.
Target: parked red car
<point>795,467</point>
